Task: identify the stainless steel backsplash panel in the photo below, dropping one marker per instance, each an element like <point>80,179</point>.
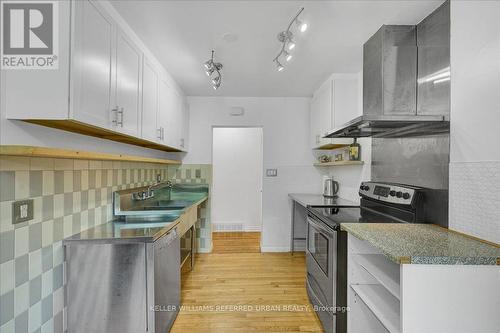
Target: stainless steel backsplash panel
<point>422,161</point>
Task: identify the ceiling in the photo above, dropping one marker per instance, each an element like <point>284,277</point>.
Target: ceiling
<point>182,33</point>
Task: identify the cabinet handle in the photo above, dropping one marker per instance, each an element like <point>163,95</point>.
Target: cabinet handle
<point>120,113</point>
<point>158,136</point>
<point>317,138</point>
<point>182,143</point>
<point>118,121</point>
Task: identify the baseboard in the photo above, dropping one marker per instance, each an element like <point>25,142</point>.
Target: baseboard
<point>275,249</point>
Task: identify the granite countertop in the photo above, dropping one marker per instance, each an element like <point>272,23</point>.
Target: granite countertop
<point>318,200</point>
<point>140,231</point>
<point>424,244</point>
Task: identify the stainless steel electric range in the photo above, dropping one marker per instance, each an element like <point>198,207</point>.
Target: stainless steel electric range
<point>326,250</point>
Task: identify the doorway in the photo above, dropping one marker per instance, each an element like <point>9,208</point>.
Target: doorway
<point>237,158</point>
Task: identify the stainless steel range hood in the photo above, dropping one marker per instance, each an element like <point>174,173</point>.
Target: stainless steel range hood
<point>406,81</point>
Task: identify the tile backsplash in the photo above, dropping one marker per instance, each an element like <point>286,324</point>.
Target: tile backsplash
<point>197,174</point>
<point>69,197</point>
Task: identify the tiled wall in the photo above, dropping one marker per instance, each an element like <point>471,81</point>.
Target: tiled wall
<point>197,174</point>
<point>474,204</point>
<point>69,196</point>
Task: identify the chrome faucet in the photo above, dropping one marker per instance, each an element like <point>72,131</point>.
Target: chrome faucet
<point>149,192</point>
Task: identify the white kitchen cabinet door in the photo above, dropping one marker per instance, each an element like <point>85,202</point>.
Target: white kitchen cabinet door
<point>127,114</point>
<point>165,112</point>
<point>346,99</point>
<point>94,36</point>
<point>150,128</point>
<point>174,130</point>
<point>185,127</point>
<point>321,114</point>
<point>314,119</point>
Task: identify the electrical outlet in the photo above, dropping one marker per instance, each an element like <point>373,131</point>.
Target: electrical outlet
<point>271,172</point>
<point>22,211</point>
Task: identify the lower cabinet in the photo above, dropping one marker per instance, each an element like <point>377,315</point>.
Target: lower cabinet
<point>383,296</point>
<point>123,287</point>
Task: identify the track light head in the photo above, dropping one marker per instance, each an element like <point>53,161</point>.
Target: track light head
<point>302,26</point>
<point>291,45</point>
<point>214,67</point>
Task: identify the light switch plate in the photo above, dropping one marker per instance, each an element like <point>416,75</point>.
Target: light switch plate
<point>271,172</point>
<point>22,211</point>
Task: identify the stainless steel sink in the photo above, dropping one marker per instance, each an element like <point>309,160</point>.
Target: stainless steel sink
<point>159,206</point>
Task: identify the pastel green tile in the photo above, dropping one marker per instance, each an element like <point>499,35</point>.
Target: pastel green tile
<point>36,183</point>
<point>35,290</point>
<point>7,246</point>
<point>47,258</point>
<point>57,229</point>
<point>22,323</point>
<point>47,208</point>
<point>22,269</point>
<point>58,182</point>
<point>77,180</point>
<point>7,185</point>
<point>6,307</point>
<point>58,277</point>
<point>35,236</point>
<point>68,203</point>
<point>47,308</point>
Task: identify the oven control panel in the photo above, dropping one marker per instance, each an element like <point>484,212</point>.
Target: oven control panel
<point>387,192</point>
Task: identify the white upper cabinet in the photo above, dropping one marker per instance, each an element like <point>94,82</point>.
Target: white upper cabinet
<point>185,127</point>
<point>321,114</point>
<point>108,83</point>
<point>128,66</point>
<point>337,101</point>
<point>150,130</point>
<point>94,32</point>
<point>347,98</point>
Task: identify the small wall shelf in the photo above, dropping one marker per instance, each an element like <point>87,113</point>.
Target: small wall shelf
<point>332,146</point>
<point>33,151</point>
<point>339,163</point>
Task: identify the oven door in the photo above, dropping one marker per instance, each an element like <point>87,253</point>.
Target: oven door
<point>321,261</point>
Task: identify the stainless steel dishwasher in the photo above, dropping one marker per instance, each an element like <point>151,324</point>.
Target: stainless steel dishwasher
<point>122,284</point>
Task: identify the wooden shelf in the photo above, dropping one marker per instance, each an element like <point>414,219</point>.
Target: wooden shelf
<point>86,129</point>
<point>32,151</point>
<point>381,303</point>
<point>339,163</point>
<point>332,146</point>
<point>383,270</point>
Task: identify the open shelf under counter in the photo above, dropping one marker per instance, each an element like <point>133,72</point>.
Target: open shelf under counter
<point>338,163</point>
<point>382,269</point>
<point>382,304</point>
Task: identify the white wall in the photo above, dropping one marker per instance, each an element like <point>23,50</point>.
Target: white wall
<point>475,118</point>
<point>285,123</point>
<point>237,179</point>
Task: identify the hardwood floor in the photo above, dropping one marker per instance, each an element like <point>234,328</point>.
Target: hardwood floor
<point>246,292</point>
<point>235,242</point>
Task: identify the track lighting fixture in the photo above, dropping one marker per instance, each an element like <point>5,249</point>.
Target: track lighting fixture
<point>287,41</point>
<point>214,68</point>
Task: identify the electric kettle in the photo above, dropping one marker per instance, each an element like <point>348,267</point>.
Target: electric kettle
<point>330,187</point>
